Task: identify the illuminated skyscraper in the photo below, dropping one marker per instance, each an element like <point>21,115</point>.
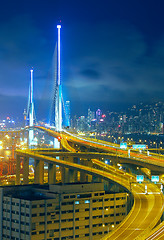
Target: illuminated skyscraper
<point>98,114</point>
<point>91,116</point>
<point>67,113</point>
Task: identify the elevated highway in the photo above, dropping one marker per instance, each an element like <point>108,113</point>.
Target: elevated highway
<point>154,162</point>
<point>147,208</point>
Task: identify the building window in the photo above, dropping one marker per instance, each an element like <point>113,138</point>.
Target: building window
<point>34,215</point>
<point>41,214</point>
<point>34,206</point>
<point>33,226</point>
<point>42,205</point>
<point>49,205</point>
<point>72,196</point>
<point>66,197</point>
<point>41,223</point>
<point>51,233</point>
<point>63,220</point>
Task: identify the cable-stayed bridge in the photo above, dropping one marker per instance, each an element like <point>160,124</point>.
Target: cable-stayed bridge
<point>86,156</point>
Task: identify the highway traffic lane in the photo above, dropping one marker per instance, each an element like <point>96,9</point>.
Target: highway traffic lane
<point>124,229</point>
<point>146,207</point>
<point>157,234</point>
<point>142,220</point>
<point>104,148</point>
<point>133,219</point>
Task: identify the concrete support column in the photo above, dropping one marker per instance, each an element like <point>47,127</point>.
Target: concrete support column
<point>39,171</point>
<point>25,170</point>
<point>61,168</point>
<point>64,174</point>
<point>83,174</point>
<point>72,173</point>
<point>89,176</point>
<point>51,173</point>
<point>75,172</point>
<point>17,170</point>
<point>73,176</point>
<point>95,178</point>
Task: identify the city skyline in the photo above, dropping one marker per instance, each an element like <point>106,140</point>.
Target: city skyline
<point>112,54</point>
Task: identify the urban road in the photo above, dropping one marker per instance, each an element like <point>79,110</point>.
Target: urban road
<point>147,208</point>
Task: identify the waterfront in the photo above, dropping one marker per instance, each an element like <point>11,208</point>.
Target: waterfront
<point>151,140</point>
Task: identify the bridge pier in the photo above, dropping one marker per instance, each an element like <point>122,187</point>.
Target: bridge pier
<point>83,175</point>
<point>39,171</point>
<point>64,174</point>
<point>73,176</point>
<point>95,178</point>
<point>51,173</point>
<point>25,170</point>
<point>73,173</point>
<point>18,161</point>
<point>69,175</point>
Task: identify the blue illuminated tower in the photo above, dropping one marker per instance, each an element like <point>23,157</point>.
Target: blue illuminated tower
<point>58,99</point>
<point>67,113</point>
<point>30,110</point>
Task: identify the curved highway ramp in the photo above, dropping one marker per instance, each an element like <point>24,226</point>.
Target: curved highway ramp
<point>148,205</point>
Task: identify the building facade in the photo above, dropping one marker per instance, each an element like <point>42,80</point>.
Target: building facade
<point>59,212</point>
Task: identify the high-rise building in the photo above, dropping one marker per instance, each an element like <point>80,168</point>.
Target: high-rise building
<point>91,116</point>
<point>67,113</point>
<point>82,124</point>
<point>58,212</point>
<point>98,115</point>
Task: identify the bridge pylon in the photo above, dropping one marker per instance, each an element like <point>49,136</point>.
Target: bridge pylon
<point>30,110</point>
<point>58,102</point>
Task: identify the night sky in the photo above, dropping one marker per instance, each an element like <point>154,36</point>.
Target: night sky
<point>112,53</point>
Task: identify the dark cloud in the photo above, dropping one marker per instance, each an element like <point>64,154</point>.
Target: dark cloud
<point>90,73</point>
<point>114,54</point>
